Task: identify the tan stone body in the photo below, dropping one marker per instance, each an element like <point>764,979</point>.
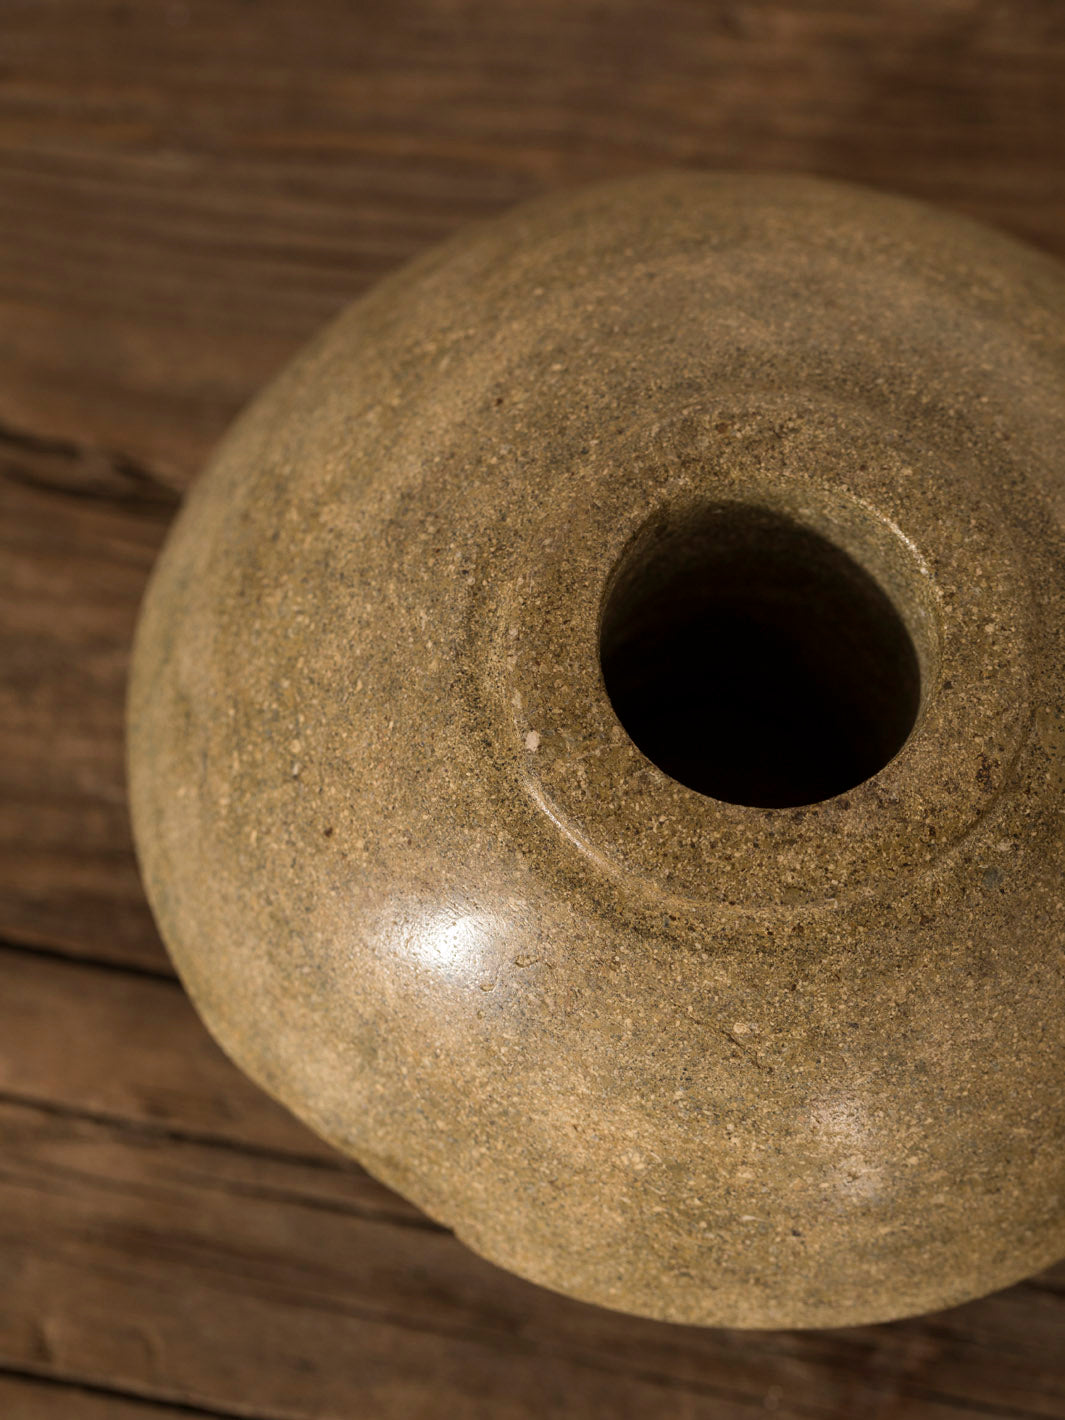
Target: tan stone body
<point>708,1062</point>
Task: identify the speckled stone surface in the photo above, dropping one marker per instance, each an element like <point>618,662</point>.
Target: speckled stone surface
<point>715,1063</point>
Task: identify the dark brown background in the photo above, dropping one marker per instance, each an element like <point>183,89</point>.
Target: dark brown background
<point>187,189</point>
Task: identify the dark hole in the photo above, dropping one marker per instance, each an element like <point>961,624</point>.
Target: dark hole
<point>754,661</point>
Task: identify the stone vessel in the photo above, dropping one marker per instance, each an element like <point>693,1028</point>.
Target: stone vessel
<point>596,747</point>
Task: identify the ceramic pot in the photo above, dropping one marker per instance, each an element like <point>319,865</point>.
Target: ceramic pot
<point>596,747</point>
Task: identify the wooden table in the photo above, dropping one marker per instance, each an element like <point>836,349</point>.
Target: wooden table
<point>187,189</point>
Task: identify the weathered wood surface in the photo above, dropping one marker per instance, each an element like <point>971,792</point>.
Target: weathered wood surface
<point>187,189</point>
<point>151,1269</point>
<point>24,1397</point>
<point>72,568</point>
<point>167,1232</point>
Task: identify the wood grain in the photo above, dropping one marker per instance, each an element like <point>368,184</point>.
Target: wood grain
<point>132,1260</point>
<point>31,1397</point>
<point>126,1047</point>
<point>191,187</point>
<point>150,1157</point>
<point>72,569</point>
<point>187,190</point>
<point>173,229</point>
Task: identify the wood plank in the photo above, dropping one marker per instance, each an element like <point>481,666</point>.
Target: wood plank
<point>186,192</point>
<point>128,1047</point>
<point>189,190</point>
<point>27,1397</point>
<point>130,1260</point>
<point>130,1050</point>
<point>138,1146</point>
<point>183,1292</point>
<point>77,539</point>
<point>167,242</point>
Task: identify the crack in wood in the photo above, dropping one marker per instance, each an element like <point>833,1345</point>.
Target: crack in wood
<point>94,963</point>
<point>56,465</point>
<point>127,1394</point>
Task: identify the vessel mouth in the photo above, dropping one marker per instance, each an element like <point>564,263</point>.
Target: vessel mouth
<point>754,660</point>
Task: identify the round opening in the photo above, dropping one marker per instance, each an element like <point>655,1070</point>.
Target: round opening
<point>753,660</point>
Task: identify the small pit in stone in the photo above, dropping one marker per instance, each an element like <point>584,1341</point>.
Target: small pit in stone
<point>754,660</point>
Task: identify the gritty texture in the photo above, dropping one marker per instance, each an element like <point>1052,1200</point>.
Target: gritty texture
<point>706,1062</point>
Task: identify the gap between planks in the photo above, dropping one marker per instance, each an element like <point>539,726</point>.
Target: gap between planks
<point>33,1395</point>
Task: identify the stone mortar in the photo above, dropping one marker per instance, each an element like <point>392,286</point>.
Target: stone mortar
<point>767,1065</point>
